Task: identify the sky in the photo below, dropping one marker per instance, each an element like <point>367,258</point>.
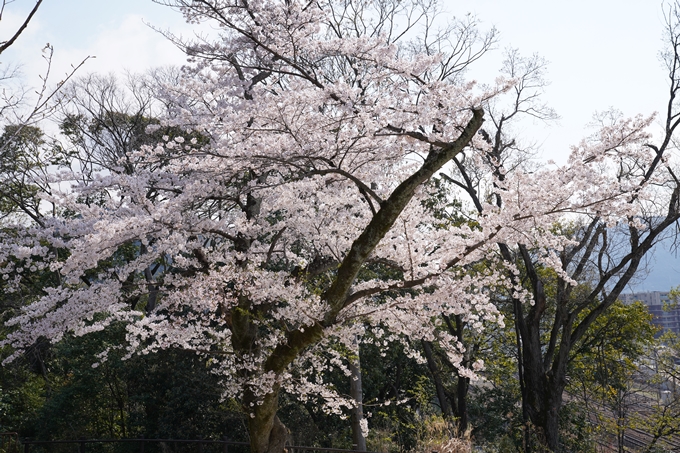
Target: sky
<point>116,32</point>
<point>602,54</point>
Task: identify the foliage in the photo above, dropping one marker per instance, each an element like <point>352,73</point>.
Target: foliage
<point>605,369</point>
<point>166,395</point>
<point>21,158</point>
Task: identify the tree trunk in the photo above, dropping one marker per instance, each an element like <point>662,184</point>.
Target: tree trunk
<point>552,417</point>
<point>461,412</point>
<point>267,433</point>
<point>358,440</point>
<point>436,377</point>
<point>463,384</point>
<point>542,387</point>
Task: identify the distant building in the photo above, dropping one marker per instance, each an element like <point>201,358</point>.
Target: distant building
<point>659,305</point>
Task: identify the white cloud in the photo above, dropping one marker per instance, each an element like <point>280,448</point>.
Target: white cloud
<point>121,41</point>
<point>132,46</point>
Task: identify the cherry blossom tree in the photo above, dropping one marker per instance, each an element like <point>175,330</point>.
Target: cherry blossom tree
<point>285,213</point>
<point>603,256</point>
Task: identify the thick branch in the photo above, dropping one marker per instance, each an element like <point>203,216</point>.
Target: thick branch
<point>5,45</point>
<point>388,214</point>
<point>362,247</point>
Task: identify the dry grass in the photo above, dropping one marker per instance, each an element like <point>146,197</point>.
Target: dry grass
<point>441,437</point>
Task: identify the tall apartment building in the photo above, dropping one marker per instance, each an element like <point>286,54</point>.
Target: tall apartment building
<point>658,304</point>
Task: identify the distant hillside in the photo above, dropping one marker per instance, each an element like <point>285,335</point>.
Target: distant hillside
<point>662,270</point>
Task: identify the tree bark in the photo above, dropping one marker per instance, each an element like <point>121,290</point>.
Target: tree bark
<point>437,379</point>
<point>356,392</point>
<point>461,412</point>
<point>463,384</point>
<point>267,433</point>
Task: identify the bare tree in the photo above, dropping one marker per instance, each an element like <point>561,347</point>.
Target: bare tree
<point>4,45</point>
<point>21,145</point>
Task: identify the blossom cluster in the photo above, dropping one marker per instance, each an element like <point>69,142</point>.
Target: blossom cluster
<point>306,133</point>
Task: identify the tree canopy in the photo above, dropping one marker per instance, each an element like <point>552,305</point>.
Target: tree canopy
<point>275,209</point>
